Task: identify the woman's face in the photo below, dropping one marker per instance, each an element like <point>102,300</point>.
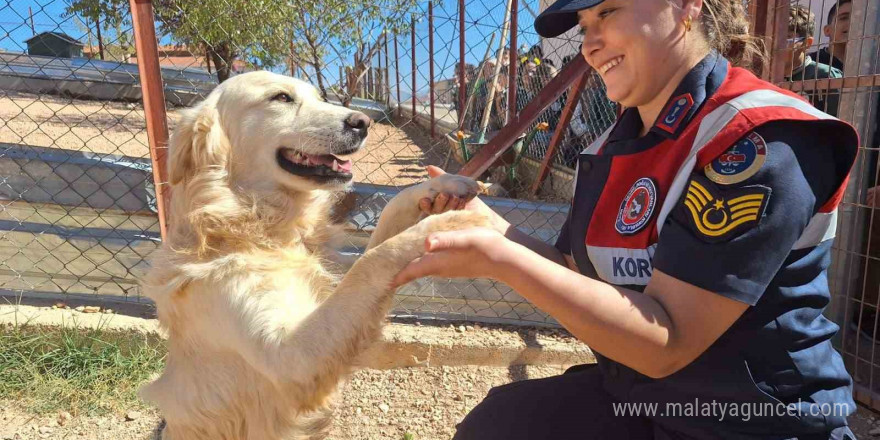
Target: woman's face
<point>631,43</point>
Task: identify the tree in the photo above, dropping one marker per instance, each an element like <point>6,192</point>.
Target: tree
<point>106,14</point>
<point>228,30</point>
<point>344,29</point>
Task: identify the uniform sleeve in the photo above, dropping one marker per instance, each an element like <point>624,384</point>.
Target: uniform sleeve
<point>732,237</point>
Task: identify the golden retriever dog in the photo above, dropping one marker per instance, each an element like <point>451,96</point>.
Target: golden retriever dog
<point>260,330</point>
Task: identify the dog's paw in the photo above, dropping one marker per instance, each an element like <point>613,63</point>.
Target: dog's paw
<point>452,185</point>
<point>410,244</point>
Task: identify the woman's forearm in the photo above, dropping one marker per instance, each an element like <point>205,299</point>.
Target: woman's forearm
<point>624,325</point>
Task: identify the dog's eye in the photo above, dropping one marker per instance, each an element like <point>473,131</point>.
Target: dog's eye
<point>282,97</point>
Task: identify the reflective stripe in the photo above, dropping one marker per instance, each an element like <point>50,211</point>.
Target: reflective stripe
<point>714,122</point>
<point>822,227</point>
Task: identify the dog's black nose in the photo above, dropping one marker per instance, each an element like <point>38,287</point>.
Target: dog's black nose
<point>358,121</point>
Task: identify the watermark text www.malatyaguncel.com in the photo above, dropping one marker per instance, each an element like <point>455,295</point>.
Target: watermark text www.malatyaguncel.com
<point>720,410</point>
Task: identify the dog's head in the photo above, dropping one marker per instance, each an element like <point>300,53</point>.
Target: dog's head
<point>266,132</point>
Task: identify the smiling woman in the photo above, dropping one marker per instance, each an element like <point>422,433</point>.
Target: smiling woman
<point>694,258</point>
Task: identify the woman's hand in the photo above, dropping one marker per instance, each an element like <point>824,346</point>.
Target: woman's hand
<point>468,253</point>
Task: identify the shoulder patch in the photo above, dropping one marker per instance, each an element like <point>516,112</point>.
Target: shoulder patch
<point>741,161</point>
<point>716,214</point>
<point>675,112</point>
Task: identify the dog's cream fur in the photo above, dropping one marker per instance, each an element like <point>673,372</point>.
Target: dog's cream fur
<point>260,332</point>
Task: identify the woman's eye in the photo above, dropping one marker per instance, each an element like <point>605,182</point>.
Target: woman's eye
<point>282,97</point>
<point>605,13</point>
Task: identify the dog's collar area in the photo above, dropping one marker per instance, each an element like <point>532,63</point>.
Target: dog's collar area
<point>324,168</point>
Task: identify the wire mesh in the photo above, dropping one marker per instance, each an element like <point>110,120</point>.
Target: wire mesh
<point>75,185</point>
<point>828,52</point>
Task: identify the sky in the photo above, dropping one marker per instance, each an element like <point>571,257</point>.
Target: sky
<point>482,18</point>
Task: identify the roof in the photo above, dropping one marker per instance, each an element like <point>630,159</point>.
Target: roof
<point>59,35</point>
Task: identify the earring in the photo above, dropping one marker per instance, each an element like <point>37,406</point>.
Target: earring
<point>687,23</point>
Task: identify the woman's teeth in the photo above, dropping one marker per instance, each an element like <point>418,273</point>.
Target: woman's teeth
<point>607,66</point>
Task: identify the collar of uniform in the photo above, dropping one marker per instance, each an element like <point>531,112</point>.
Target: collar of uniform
<point>698,85</point>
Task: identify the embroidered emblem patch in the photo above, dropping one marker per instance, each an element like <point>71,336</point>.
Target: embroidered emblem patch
<point>637,207</point>
<point>719,214</point>
<point>675,112</point>
<point>741,161</point>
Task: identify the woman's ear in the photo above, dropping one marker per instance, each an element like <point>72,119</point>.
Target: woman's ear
<point>692,9</point>
<point>198,143</point>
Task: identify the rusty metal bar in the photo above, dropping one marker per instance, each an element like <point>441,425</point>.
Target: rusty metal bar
<point>387,90</point>
<point>758,14</point>
<point>559,131</point>
<point>462,86</point>
<point>831,84</point>
<point>431,64</point>
<point>490,152</point>
<point>413,50</point>
<point>514,63</point>
<point>147,47</point>
<point>779,12</point>
<point>397,75</point>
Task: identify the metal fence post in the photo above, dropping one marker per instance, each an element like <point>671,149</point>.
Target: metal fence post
<point>387,90</point>
<point>559,132</point>
<point>514,63</point>
<point>431,64</point>
<point>413,50</point>
<point>462,78</point>
<point>397,75</point>
<point>154,100</point>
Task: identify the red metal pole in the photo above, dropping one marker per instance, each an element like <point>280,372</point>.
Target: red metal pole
<point>413,47</point>
<point>514,63</point>
<point>461,64</point>
<point>431,63</point>
<point>559,132</point>
<point>397,75</point>
<point>490,152</point>
<point>379,76</point>
<point>147,47</point>
<point>387,91</point>
<point>780,11</point>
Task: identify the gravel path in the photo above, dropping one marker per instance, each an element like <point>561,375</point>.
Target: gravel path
<point>375,404</point>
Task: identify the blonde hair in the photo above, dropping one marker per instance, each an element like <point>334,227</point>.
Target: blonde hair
<point>726,27</point>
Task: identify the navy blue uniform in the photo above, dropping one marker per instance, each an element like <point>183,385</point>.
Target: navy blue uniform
<point>734,190</point>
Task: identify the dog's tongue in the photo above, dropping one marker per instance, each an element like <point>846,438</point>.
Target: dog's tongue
<point>328,159</point>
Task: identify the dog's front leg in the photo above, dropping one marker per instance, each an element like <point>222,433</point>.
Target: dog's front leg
<point>314,352</point>
<point>403,210</point>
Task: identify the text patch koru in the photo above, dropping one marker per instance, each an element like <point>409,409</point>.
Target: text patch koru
<point>716,214</point>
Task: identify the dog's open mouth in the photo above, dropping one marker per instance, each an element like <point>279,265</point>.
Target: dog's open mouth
<point>318,166</point>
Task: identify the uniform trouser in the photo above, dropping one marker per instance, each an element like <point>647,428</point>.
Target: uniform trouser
<point>574,405</point>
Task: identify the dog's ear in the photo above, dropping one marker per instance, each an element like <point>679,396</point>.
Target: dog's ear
<point>198,143</point>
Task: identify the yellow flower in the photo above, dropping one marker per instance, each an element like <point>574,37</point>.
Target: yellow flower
<point>543,126</point>
<point>537,61</point>
<point>459,134</point>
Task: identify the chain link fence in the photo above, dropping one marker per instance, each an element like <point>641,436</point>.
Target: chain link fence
<point>79,208</point>
<point>78,204</point>
<point>828,51</point>
<point>75,182</point>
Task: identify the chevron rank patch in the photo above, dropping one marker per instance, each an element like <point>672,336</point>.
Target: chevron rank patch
<point>716,214</point>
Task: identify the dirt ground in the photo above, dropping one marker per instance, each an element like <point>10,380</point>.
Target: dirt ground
<point>375,404</point>
<point>396,153</point>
